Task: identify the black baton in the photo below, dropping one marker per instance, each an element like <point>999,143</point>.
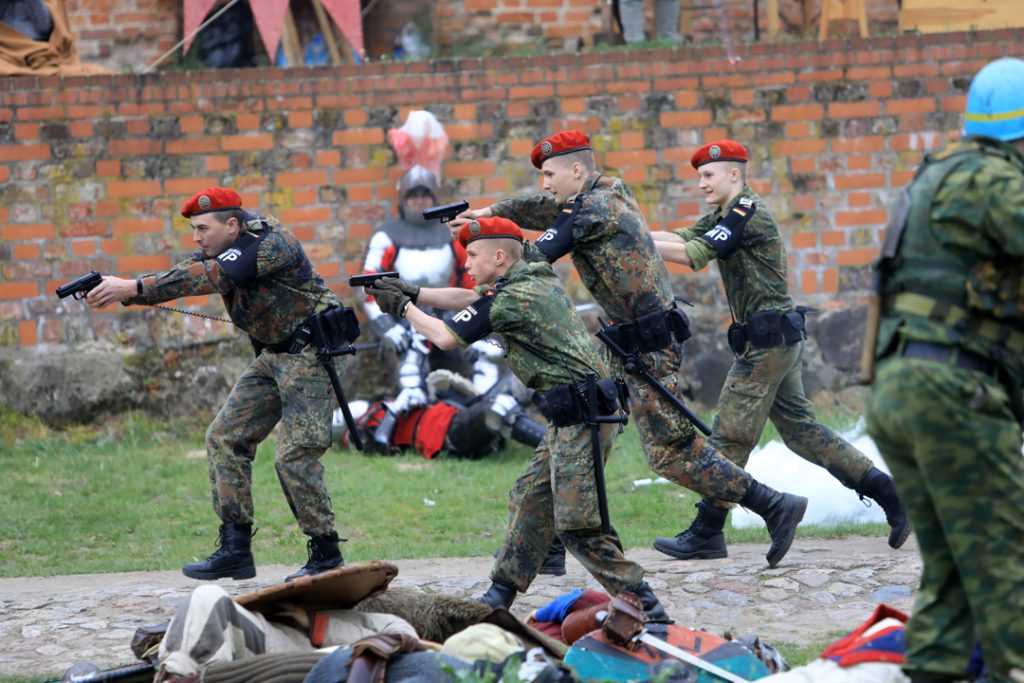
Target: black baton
<point>595,421</point>
<point>325,354</point>
<point>632,364</point>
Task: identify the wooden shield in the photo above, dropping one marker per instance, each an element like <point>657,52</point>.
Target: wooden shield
<point>341,588</point>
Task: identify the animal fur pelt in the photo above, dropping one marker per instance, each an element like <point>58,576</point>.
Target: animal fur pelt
<point>435,617</point>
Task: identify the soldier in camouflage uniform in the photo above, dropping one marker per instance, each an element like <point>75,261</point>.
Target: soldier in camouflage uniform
<point>548,348</point>
<point>270,289</point>
<point>596,218</point>
<point>945,407</point>
<point>767,337</point>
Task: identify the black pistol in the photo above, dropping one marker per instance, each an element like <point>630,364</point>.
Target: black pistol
<point>80,286</point>
<point>367,279</point>
<point>446,212</point>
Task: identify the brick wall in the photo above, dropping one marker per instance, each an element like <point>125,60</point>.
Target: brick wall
<point>93,170</point>
<point>124,35</point>
<point>507,25</point>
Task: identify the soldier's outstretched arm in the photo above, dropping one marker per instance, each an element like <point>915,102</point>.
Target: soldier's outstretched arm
<point>446,298</point>
<point>665,236</point>
<point>430,327</point>
<point>112,290</point>
<point>673,251</point>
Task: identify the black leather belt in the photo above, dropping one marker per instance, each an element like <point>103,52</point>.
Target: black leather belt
<point>948,355</point>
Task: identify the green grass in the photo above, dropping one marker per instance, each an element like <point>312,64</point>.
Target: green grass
<point>132,494</point>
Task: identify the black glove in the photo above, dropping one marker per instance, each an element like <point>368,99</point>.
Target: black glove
<point>409,289</point>
<point>390,299</point>
<point>725,237</point>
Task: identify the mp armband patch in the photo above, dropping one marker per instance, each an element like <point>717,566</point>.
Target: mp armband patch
<point>239,260</point>
<point>473,322</point>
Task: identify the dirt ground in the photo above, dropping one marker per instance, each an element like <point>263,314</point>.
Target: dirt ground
<point>823,588</point>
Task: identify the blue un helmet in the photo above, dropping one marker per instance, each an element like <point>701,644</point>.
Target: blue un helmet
<point>995,102</point>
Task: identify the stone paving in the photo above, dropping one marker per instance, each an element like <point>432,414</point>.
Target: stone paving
<point>822,588</point>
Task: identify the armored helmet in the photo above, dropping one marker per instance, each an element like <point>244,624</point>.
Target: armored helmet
<point>995,101</point>
<point>417,178</point>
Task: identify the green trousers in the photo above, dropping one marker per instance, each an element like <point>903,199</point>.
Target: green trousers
<point>954,450</point>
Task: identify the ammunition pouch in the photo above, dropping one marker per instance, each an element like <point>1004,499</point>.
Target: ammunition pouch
<point>769,329</point>
<point>339,325</point>
<point>567,404</point>
<point>651,332</point>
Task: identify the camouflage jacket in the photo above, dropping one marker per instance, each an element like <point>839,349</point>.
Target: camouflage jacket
<point>958,275</point>
<point>612,248</point>
<point>283,293</point>
<point>545,340</point>
<point>755,275</point>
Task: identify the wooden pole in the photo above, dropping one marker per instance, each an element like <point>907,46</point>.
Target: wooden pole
<point>290,39</point>
<point>327,29</point>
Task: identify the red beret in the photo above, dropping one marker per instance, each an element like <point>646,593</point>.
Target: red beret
<point>489,228</point>
<point>564,142</point>
<point>719,150</point>
<point>212,199</point>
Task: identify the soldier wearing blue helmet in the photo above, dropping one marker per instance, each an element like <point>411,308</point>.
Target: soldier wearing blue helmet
<point>945,406</point>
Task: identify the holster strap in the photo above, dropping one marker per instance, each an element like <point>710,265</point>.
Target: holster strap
<point>948,355</point>
<point>958,318</point>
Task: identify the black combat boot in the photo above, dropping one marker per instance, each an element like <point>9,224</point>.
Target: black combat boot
<point>703,540</point>
<point>878,486</point>
<point>323,555</point>
<point>231,560</point>
<point>498,595</point>
<point>656,618</point>
<point>554,563</point>
<point>781,513</point>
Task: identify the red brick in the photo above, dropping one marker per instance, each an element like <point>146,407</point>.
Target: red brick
<point>358,136</point>
<point>344,176</point>
<point>805,240</point>
<point>830,281</point>
<point>87,247</point>
<point>144,264</point>
<point>809,282</point>
<point>845,110</point>
<point>24,152</point>
<point>469,169</point>
<point>631,158</point>
<point>859,180</point>
<point>861,256</point>
<point>135,147</point>
<point>115,247</point>
<point>247,122</point>
<point>26,131</point>
<point>134,188</point>
<point>328,158</point>
<point>797,112</point>
<point>19,290</point>
<point>81,129</point>
<point>292,217</point>
<point>301,178</point>
<point>218,163</point>
<point>354,117</point>
<point>108,168</point>
<point>133,226</point>
<point>28,231</point>
<point>794,147</point>
<point>869,217</point>
<point>246,143</point>
<point>803,165</point>
<point>300,119</point>
<point>863,144</point>
<point>27,334</point>
<point>688,119</point>
<point>189,186</point>
<point>921,105</point>
<point>26,251</point>
<point>360,193</point>
<point>191,124</point>
<point>833,238</point>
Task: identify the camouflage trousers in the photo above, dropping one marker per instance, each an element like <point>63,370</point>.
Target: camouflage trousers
<point>954,448</point>
<point>767,384</point>
<point>672,446</point>
<point>557,494</point>
<point>276,387</point>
